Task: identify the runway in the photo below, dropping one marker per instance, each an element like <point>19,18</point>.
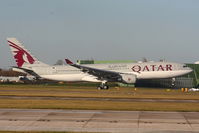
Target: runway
<point>101,99</point>
<point>98,121</point>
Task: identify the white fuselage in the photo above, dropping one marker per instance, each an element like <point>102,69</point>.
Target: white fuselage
<point>148,70</point>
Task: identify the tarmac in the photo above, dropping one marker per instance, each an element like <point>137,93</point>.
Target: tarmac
<point>98,121</point>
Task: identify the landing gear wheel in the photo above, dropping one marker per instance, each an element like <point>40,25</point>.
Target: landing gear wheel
<point>103,87</point>
<point>99,88</point>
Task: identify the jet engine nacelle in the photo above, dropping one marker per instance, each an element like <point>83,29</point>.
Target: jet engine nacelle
<point>128,78</point>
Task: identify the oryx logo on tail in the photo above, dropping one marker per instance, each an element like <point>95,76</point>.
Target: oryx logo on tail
<point>20,54</point>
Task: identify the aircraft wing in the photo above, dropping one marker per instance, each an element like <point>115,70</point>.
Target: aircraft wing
<point>100,73</point>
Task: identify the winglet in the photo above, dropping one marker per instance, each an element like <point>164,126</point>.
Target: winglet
<point>69,62</point>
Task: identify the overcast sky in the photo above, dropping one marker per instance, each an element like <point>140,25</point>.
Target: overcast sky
<point>101,29</point>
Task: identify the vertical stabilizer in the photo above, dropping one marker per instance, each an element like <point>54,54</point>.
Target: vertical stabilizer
<point>21,55</point>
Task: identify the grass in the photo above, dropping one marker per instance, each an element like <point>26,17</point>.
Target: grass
<point>98,105</point>
<point>83,91</point>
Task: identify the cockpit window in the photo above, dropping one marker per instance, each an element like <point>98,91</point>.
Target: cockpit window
<point>185,66</point>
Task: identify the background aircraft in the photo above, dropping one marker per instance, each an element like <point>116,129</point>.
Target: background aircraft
<point>123,72</point>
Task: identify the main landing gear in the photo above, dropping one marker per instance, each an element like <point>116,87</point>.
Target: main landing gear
<point>103,86</point>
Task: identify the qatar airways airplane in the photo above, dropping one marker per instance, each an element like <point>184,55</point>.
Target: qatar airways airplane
<point>123,72</point>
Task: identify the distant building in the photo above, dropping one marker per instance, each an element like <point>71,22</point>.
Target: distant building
<point>85,61</point>
<point>179,82</point>
<point>4,79</point>
<point>194,75</point>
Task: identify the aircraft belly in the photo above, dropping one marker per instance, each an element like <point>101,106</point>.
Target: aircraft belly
<point>64,77</point>
<point>158,74</point>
